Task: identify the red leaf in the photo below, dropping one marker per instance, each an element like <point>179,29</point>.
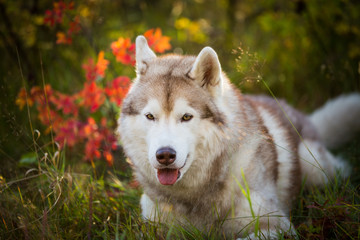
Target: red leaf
<point>90,70</point>
<point>92,96</point>
<point>118,89</point>
<point>66,103</point>
<point>68,132</point>
<point>74,26</point>
<point>49,18</point>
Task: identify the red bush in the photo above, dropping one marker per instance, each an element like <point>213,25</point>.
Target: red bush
<point>60,112</point>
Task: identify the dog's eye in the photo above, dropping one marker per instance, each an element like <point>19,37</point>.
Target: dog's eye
<point>150,116</point>
<point>186,117</point>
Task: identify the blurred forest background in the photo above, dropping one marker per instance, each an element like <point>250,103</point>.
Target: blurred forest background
<point>306,51</point>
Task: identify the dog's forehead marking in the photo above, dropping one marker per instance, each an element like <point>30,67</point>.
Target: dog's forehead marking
<point>181,105</point>
<point>162,89</point>
<point>167,81</point>
<point>153,106</point>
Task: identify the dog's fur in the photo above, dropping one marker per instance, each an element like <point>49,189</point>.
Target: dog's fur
<point>239,161</point>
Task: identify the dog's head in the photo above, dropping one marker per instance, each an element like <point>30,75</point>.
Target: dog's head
<point>171,117</point>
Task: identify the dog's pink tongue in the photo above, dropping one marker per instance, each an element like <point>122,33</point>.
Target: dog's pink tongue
<point>167,176</point>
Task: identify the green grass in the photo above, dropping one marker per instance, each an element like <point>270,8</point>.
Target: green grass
<point>51,200</point>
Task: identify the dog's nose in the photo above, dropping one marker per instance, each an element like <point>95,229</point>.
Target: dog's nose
<point>166,155</point>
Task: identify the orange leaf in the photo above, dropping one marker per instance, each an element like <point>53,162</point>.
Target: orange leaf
<point>124,50</point>
<point>157,41</point>
<point>62,38</point>
<point>101,64</point>
<point>23,98</point>
<point>108,157</point>
<point>90,70</point>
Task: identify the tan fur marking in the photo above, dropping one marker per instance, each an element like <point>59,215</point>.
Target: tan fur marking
<point>128,109</point>
<point>267,150</point>
<point>292,137</point>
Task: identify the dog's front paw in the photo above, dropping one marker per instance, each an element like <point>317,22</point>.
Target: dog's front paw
<point>251,236</point>
<point>267,235</point>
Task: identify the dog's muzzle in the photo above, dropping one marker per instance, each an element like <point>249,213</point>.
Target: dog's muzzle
<point>167,175</point>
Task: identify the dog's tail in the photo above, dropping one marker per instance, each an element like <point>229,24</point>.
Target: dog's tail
<point>338,120</point>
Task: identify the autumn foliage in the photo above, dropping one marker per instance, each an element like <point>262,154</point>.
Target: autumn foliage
<point>124,49</point>
<point>81,119</point>
<point>63,14</point>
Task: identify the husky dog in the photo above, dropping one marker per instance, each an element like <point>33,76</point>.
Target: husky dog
<point>209,156</point>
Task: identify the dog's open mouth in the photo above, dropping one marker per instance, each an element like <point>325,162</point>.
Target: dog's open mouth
<point>168,176</point>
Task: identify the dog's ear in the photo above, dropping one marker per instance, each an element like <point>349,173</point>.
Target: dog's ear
<point>143,55</point>
<point>207,71</point>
